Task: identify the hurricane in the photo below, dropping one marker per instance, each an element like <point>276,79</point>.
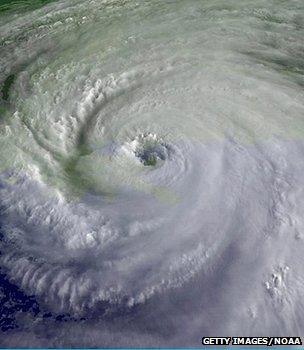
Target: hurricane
<point>151,171</point>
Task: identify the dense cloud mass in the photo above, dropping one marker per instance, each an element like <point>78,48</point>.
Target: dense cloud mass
<point>151,171</point>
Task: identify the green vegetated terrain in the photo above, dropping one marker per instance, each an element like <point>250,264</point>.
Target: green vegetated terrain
<point>21,5</point>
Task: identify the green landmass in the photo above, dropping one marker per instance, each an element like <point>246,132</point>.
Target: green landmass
<point>22,5</point>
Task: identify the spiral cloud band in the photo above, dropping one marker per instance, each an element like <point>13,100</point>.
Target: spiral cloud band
<point>152,166</point>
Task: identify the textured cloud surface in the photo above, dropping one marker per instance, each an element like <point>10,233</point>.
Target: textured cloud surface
<point>151,175</point>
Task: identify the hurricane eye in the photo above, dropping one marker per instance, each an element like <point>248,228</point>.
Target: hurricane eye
<point>151,151</point>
